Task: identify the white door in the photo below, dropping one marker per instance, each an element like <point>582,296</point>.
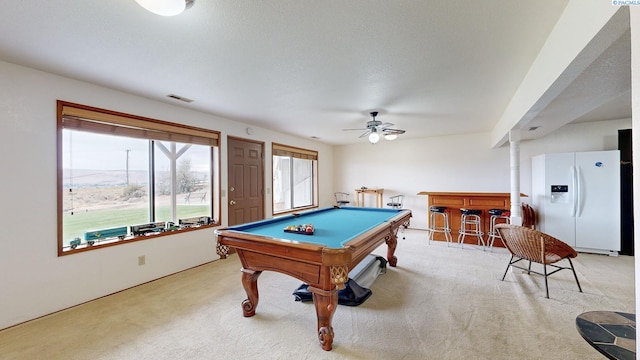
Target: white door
<point>559,197</point>
<point>598,215</point>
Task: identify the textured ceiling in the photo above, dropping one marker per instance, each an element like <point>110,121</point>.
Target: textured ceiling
<point>304,67</point>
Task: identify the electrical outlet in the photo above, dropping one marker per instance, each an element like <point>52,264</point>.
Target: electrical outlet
<point>141,260</point>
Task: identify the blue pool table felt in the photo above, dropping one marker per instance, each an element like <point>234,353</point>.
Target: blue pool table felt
<point>333,227</point>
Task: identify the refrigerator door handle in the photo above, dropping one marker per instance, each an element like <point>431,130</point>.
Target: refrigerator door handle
<point>574,183</point>
<point>578,193</point>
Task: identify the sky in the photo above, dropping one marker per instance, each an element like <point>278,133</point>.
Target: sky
<point>107,152</point>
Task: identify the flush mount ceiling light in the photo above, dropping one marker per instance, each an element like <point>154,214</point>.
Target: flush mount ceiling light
<point>166,7</point>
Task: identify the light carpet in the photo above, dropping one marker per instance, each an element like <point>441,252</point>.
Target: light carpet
<point>439,303</point>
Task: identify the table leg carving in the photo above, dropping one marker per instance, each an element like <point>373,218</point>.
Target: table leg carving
<point>222,250</point>
<point>250,284</point>
<point>392,242</point>
<point>339,275</point>
<point>325,302</point>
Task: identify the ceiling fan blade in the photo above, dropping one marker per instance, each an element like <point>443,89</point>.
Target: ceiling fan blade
<point>385,125</point>
<point>393,131</point>
<point>354,129</point>
<point>366,133</point>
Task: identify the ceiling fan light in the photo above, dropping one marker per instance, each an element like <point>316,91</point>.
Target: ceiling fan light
<point>166,7</point>
<point>391,137</point>
<point>374,137</point>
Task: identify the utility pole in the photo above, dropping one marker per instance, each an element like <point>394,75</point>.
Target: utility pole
<point>127,151</point>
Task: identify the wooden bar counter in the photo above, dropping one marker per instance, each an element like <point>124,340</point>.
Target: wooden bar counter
<point>468,200</point>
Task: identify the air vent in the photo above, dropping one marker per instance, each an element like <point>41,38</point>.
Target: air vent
<point>180,98</point>
<point>533,128</point>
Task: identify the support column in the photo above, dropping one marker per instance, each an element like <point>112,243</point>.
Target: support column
<point>514,150</point>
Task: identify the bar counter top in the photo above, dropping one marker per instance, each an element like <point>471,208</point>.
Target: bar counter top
<point>464,194</point>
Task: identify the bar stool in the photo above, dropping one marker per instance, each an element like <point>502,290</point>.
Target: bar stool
<point>498,216</point>
<point>434,212</point>
<point>470,224</point>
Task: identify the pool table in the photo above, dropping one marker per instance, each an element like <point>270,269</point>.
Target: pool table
<point>341,238</point>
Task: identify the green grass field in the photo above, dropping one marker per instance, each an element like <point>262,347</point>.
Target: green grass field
<point>77,224</point>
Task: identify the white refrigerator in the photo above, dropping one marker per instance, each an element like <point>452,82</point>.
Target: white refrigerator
<point>577,198</point>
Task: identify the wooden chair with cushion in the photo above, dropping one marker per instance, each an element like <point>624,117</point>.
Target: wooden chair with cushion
<point>528,216</point>
<point>535,246</point>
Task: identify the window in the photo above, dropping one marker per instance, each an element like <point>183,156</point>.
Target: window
<point>294,178</point>
<point>124,178</point>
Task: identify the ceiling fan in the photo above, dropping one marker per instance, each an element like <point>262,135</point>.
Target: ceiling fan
<point>376,128</point>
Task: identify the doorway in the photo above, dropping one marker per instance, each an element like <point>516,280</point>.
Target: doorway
<point>245,162</point>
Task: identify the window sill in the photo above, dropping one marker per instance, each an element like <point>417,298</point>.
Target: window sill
<point>101,244</point>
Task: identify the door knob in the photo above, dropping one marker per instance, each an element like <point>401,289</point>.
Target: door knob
<point>232,202</point>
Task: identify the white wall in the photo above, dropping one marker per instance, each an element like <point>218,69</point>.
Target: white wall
<point>456,163</point>
<point>34,281</point>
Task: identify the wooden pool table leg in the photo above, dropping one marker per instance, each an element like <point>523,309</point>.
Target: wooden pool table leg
<point>325,302</point>
<point>250,284</point>
<point>392,242</point>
